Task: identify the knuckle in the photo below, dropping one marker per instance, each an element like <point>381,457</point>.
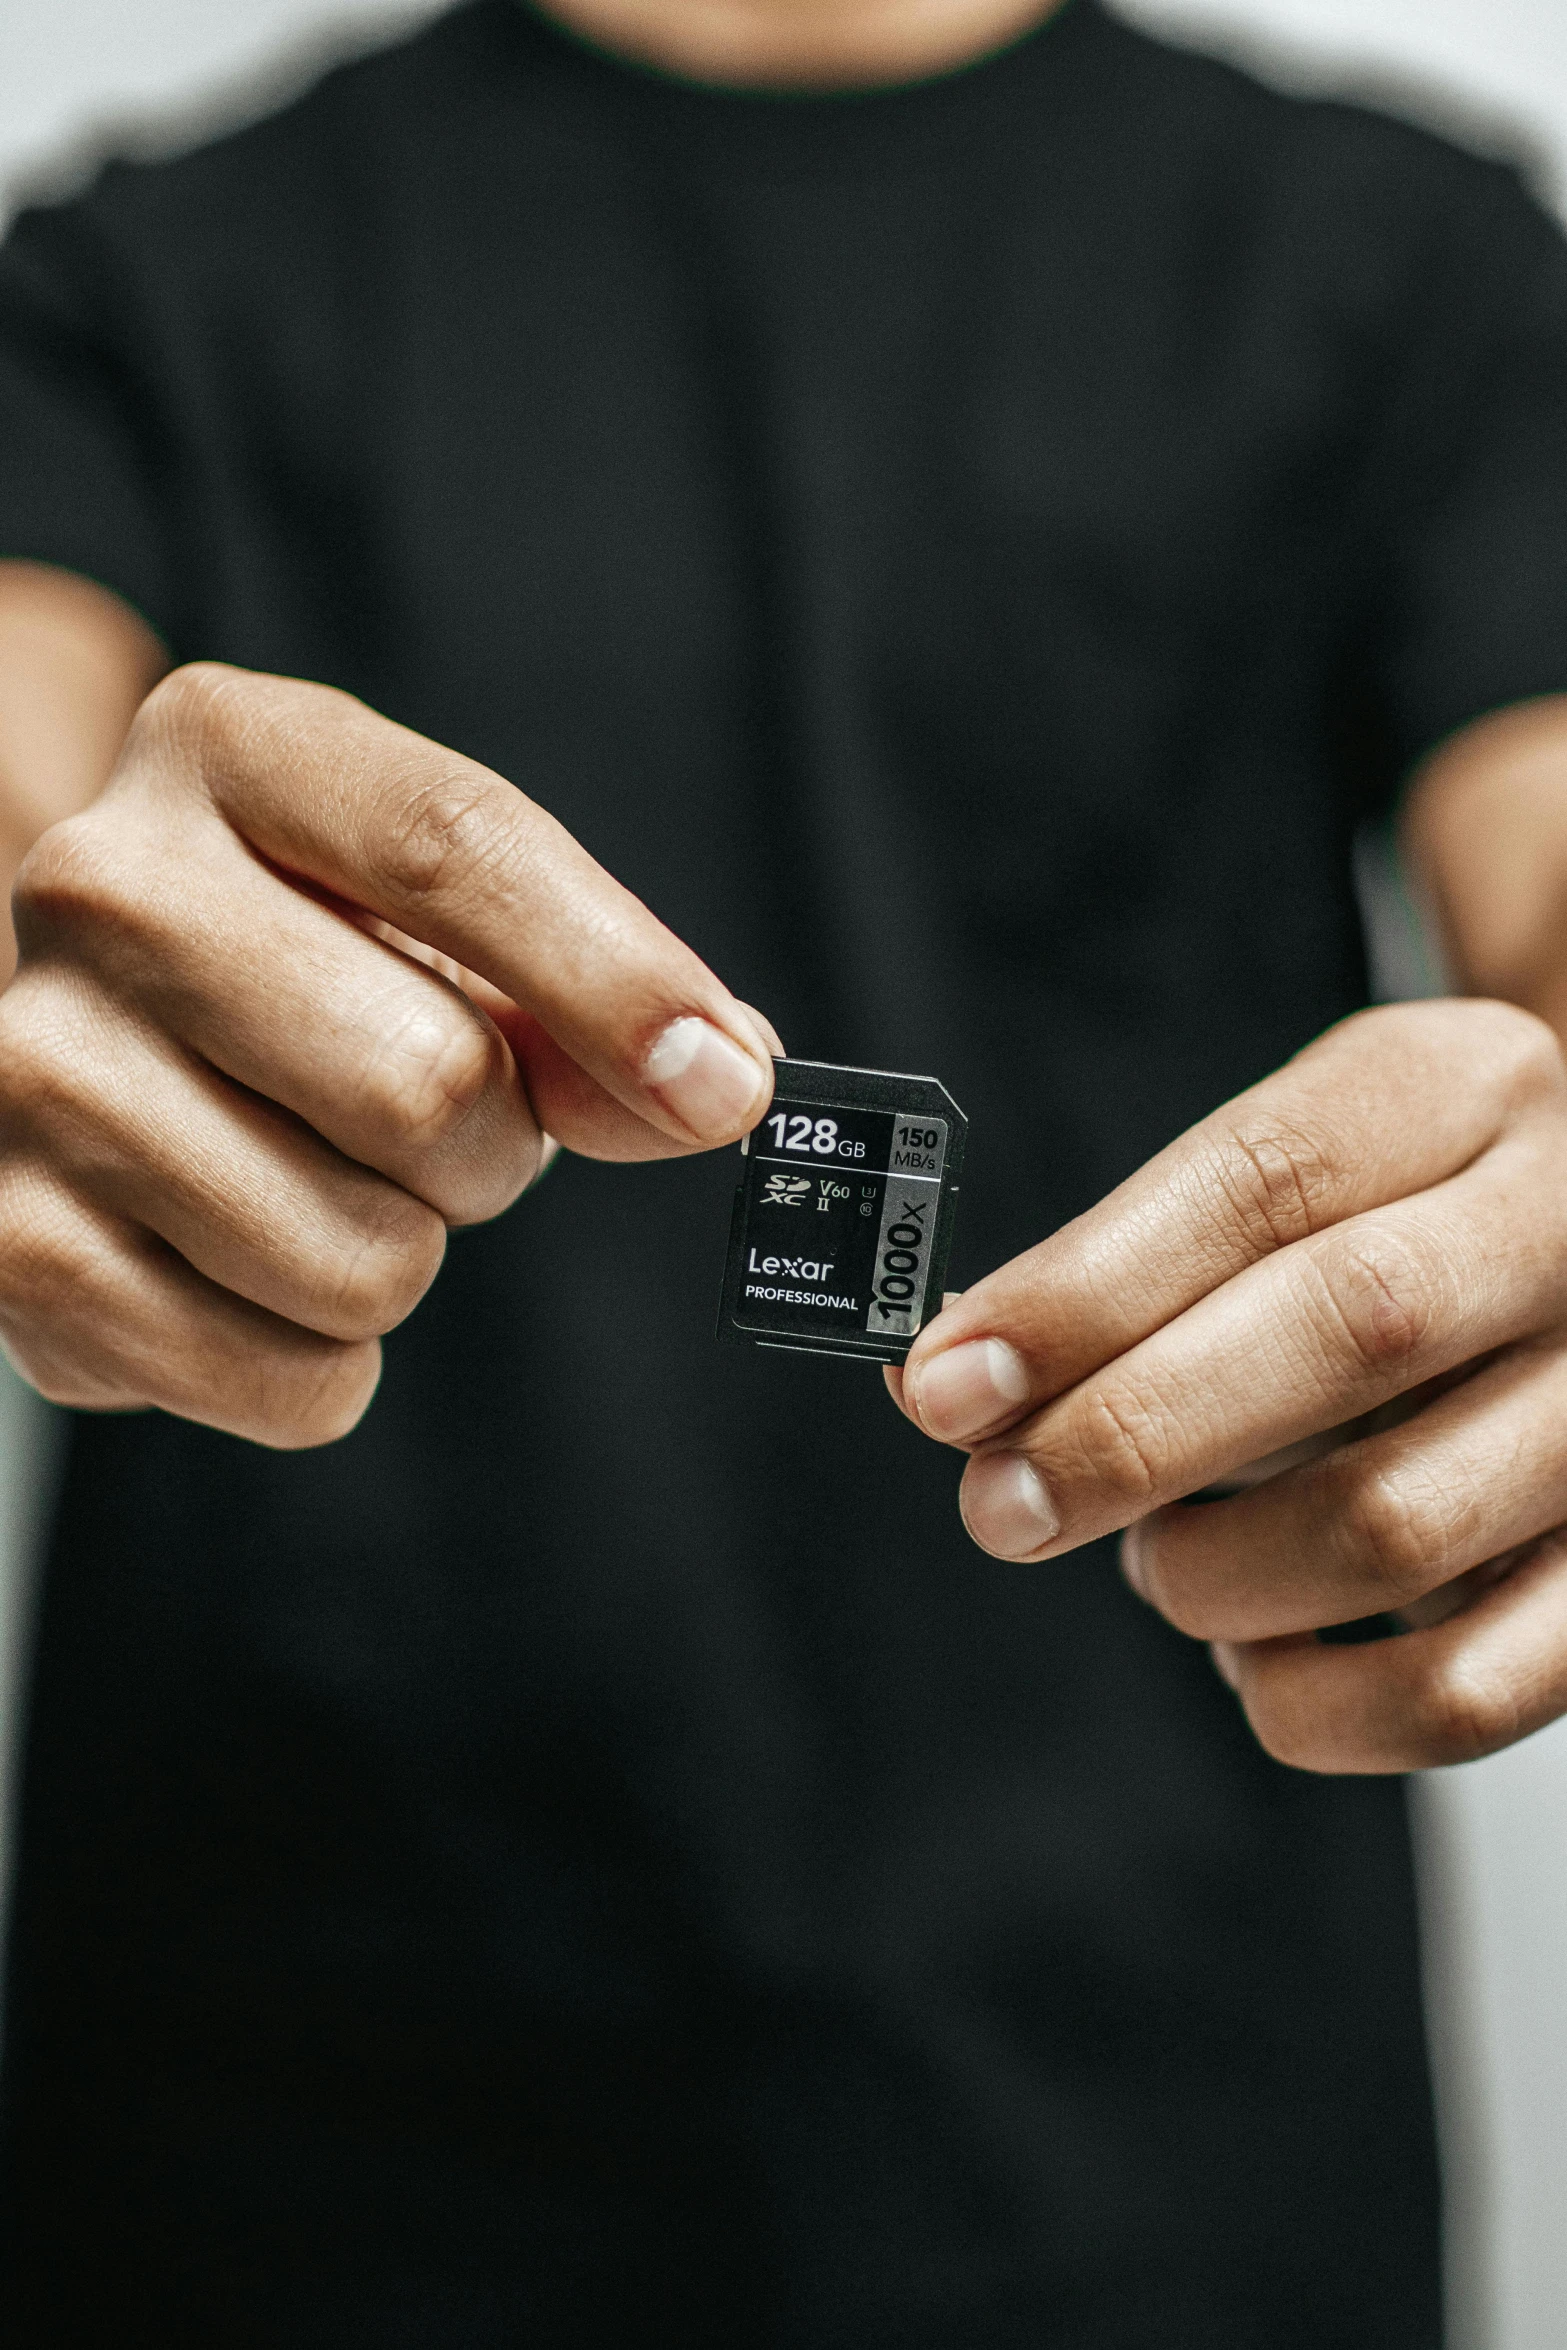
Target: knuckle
<point>438,835</point>
<point>38,1078</point>
<point>113,896</point>
<point>378,1284</point>
<point>1125,1446</point>
<point>55,1309</point>
<point>197,707</point>
<point>486,1185</point>
<point>318,1401</point>
<point>48,1261</point>
<point>1277,1181</point>
<point>1379,1295</point>
<point>66,881</point>
<point>1461,1712</point>
<point>1398,1533</point>
<point>430,1071</point>
<point>1521,1050</point>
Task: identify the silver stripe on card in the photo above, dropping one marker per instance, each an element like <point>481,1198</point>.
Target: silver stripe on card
<point>913,1198</point>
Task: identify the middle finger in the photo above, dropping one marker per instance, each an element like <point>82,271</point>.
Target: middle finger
<point>1313,1336</point>
<point>246,1193</point>
<point>294,1000</point>
<point>1375,1525</point>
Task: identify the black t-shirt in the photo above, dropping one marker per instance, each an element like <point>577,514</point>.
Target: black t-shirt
<point>596,1857</point>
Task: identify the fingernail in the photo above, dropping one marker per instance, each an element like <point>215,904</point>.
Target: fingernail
<point>709,1083</point>
<point>1134,1558</point>
<point>1005,1506</point>
<point>1223,1655</point>
<point>967,1388</point>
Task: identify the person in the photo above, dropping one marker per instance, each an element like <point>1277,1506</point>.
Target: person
<point>936,519</point>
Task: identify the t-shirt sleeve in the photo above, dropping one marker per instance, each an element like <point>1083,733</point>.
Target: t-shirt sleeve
<point>85,465</point>
<point>1477,608</point>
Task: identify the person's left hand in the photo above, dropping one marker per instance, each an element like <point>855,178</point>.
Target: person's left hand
<point>1385,1218</point>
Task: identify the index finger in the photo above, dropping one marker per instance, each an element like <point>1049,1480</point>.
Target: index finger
<point>1388,1103</point>
<point>458,858</point>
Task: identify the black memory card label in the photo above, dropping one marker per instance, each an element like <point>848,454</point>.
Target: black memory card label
<point>842,1222</point>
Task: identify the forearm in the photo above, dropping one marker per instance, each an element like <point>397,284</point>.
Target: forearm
<point>1485,830</point>
<point>75,664</point>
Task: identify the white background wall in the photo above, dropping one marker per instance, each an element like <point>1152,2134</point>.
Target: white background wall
<point>1495,1836</point>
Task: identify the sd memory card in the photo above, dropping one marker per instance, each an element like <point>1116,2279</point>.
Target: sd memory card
<point>843,1220</point>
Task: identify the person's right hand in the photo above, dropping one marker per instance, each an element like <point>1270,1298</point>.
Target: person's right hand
<point>236,1119</point>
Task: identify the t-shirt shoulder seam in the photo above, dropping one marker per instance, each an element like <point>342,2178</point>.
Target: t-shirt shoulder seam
<point>318,94</point>
<point>1319,110</point>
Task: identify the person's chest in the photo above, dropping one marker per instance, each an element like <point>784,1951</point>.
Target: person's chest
<point>840,557</point>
